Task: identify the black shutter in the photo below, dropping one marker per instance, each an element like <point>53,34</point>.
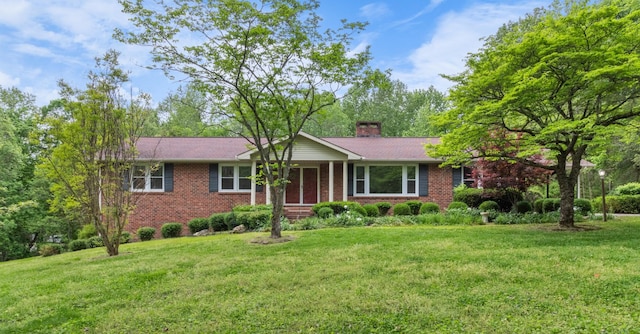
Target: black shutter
<point>423,180</point>
<point>457,176</point>
<point>213,178</point>
<point>350,180</point>
<point>168,177</point>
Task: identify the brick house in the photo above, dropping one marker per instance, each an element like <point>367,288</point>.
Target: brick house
<point>179,179</point>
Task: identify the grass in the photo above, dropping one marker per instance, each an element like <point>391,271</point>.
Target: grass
<point>481,279</point>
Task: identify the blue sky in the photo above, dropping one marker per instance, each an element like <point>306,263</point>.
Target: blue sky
<point>44,41</point>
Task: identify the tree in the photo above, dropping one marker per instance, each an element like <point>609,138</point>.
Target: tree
<point>264,62</point>
<point>95,138</point>
<point>553,82</point>
<point>435,103</point>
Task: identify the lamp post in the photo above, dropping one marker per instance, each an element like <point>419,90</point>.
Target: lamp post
<point>604,204</point>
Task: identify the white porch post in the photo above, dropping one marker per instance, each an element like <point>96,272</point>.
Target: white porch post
<point>345,182</point>
<point>253,182</point>
<point>579,186</point>
<point>330,181</point>
<point>267,193</point>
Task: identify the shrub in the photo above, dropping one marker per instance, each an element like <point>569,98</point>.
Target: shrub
<point>87,232</point>
<point>401,209</point>
<point>198,224</point>
<point>230,220</point>
<point>346,219</point>
<point>50,249</point>
<point>462,216</point>
<point>383,207</point>
<point>632,188</point>
<point>523,207</point>
<point>76,245</point>
<point>457,205</point>
<point>171,230</point>
<point>550,205</point>
<point>253,220</point>
<point>310,223</point>
<point>537,205</point>
<point>95,242</point>
<point>146,233</point>
<point>325,212</point>
<point>216,222</point>
<point>583,206</point>
<point>527,218</point>
<point>429,207</point>
<point>471,196</point>
<point>506,198</point>
<point>620,204</point>
<point>339,207</point>
<point>414,205</point>
<point>125,237</point>
<point>250,208</point>
<point>372,210</point>
<point>489,206</point>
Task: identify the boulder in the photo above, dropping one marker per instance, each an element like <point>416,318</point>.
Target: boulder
<point>239,229</point>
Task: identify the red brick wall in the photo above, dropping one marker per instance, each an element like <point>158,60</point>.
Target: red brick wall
<point>190,199</point>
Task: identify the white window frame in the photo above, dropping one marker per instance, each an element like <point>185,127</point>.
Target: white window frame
<point>236,178</point>
<point>367,180</point>
<point>147,178</point>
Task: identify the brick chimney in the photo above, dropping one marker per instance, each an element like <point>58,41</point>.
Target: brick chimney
<point>368,129</point>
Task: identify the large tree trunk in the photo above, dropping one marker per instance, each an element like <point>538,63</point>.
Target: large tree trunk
<point>277,200</point>
<point>567,196</point>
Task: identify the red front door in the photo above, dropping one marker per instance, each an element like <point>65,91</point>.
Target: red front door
<point>303,186</point>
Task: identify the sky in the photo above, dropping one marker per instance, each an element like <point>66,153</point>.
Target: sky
<point>43,41</point>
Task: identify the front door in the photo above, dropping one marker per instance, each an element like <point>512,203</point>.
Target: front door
<point>303,186</point>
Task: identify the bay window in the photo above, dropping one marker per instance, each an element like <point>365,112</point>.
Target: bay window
<point>386,180</point>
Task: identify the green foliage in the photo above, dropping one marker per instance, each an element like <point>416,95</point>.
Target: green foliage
<point>171,230</point>
<point>401,209</point>
<point>372,210</point>
<point>550,205</point>
<point>489,206</point>
<point>346,219</point>
<point>523,207</point>
<point>457,205</point>
<point>414,205</point>
<point>471,196</point>
<point>632,188</point>
<point>629,204</point>
<point>325,212</point>
<point>217,222</point>
<point>95,242</point>
<point>76,245</point>
<point>198,224</point>
<point>538,205</point>
<point>582,206</point>
<point>339,207</point>
<point>310,223</point>
<point>87,231</point>
<point>250,208</point>
<point>125,237</point>
<point>527,218</point>
<point>383,207</point>
<point>253,220</point>
<point>230,220</point>
<point>429,207</point>
<point>50,249</point>
<point>146,233</point>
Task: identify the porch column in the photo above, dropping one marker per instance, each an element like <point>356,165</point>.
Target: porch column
<point>267,193</point>
<point>330,181</point>
<point>253,182</point>
<point>345,181</point>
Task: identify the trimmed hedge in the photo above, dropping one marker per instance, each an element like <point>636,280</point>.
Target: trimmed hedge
<point>471,196</point>
<point>372,210</point>
<point>198,224</point>
<point>414,205</point>
<point>402,209</point>
<point>583,206</point>
<point>325,212</point>
<point>489,206</point>
<point>632,188</point>
<point>146,233</point>
<point>76,245</point>
<point>253,219</point>
<point>457,205</point>
<point>339,207</point>
<point>429,207</point>
<point>523,207</point>
<point>619,204</point>
<point>171,230</point>
<point>216,222</point>
<point>383,207</point>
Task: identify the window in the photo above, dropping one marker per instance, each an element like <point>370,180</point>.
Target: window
<point>386,180</point>
<point>147,178</point>
<point>235,178</point>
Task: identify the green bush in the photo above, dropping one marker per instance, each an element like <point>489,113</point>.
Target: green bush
<point>489,206</point>
<point>346,219</point>
<point>429,207</point>
<point>372,210</point>
<point>310,223</point>
<point>620,204</point>
<point>537,205</point>
<point>125,237</point>
<point>506,198</point>
<point>87,232</point>
<point>198,224</point>
<point>527,218</point>
<point>146,233</point>
<point>583,206</point>
<point>523,207</point>
<point>250,208</point>
<point>401,209</point>
<point>550,205</point>
<point>414,205</point>
<point>383,207</point>
<point>253,220</point>
<point>50,249</point>
<point>339,207</point>
<point>171,230</point>
<point>76,245</point>
<point>471,196</point>
<point>632,188</point>
<point>325,212</point>
<point>457,205</point>
<point>216,221</point>
<point>230,220</point>
<point>95,242</point>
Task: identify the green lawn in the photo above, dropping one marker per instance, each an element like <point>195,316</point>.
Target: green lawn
<point>492,279</point>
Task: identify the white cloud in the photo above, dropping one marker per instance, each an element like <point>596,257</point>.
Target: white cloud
<point>7,80</point>
<point>457,34</point>
<point>374,10</point>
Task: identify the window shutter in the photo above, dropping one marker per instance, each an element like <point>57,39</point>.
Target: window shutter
<point>168,177</point>
<point>423,180</point>
<point>213,178</point>
<point>457,176</point>
<point>350,180</point>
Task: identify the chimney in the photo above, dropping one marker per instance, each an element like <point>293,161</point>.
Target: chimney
<point>368,129</point>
